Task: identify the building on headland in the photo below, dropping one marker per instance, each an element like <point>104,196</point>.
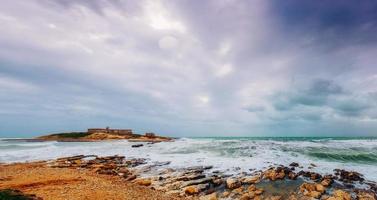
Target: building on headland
<point>110,131</point>
<point>150,135</point>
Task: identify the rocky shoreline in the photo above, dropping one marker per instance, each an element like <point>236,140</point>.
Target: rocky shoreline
<point>202,182</point>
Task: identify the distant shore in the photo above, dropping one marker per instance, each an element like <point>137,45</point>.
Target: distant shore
<point>101,135</point>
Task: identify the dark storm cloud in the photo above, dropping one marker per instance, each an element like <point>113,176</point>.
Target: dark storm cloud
<point>333,19</point>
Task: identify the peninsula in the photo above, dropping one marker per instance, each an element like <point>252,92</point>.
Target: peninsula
<point>100,134</point>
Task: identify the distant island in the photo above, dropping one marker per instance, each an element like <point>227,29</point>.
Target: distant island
<point>99,134</point>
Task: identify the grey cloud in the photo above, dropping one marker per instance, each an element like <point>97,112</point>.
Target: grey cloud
<point>235,66</point>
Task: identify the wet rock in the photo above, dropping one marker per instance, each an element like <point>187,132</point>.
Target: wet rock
<point>137,145</point>
<point>232,183</point>
<point>348,176</point>
<point>190,177</point>
<point>294,164</point>
<point>292,175</point>
<point>196,182</point>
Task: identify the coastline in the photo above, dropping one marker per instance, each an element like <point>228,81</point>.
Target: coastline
<point>115,177</point>
<point>175,168</point>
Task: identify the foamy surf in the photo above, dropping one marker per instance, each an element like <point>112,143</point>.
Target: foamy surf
<point>231,155</point>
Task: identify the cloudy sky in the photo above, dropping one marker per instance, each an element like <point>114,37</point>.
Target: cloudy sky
<point>189,68</point>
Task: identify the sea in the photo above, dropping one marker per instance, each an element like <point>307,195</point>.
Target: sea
<point>230,155</point>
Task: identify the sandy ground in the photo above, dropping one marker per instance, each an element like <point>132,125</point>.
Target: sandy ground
<point>72,184</point>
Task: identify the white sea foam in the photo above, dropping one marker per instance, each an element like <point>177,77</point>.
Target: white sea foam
<point>229,155</point>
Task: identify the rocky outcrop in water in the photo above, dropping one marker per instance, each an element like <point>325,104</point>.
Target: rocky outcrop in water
<point>275,183</point>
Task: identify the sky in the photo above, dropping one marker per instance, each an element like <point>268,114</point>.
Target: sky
<point>190,67</point>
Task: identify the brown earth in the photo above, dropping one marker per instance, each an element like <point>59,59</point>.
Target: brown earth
<point>64,183</point>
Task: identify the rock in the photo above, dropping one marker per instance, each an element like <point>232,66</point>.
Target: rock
<point>225,194</point>
<point>203,186</point>
<point>137,145</point>
<point>212,196</point>
<point>232,183</point>
<point>292,175</point>
<point>314,194</point>
<point>348,176</point>
<point>237,190</point>
<point>217,181</point>
<point>294,164</point>
<point>364,195</point>
<point>343,195</point>
<point>259,191</point>
<point>196,182</point>
<point>250,180</point>
<point>191,190</point>
<point>307,187</point>
<point>143,182</point>
<point>315,176</point>
<point>247,196</point>
<point>319,188</point>
<point>273,174</point>
<point>251,188</point>
<point>326,182</point>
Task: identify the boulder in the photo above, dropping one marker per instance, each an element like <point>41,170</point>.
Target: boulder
<point>343,195</point>
<point>232,183</point>
<point>363,195</point>
<point>191,190</point>
<point>319,188</point>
